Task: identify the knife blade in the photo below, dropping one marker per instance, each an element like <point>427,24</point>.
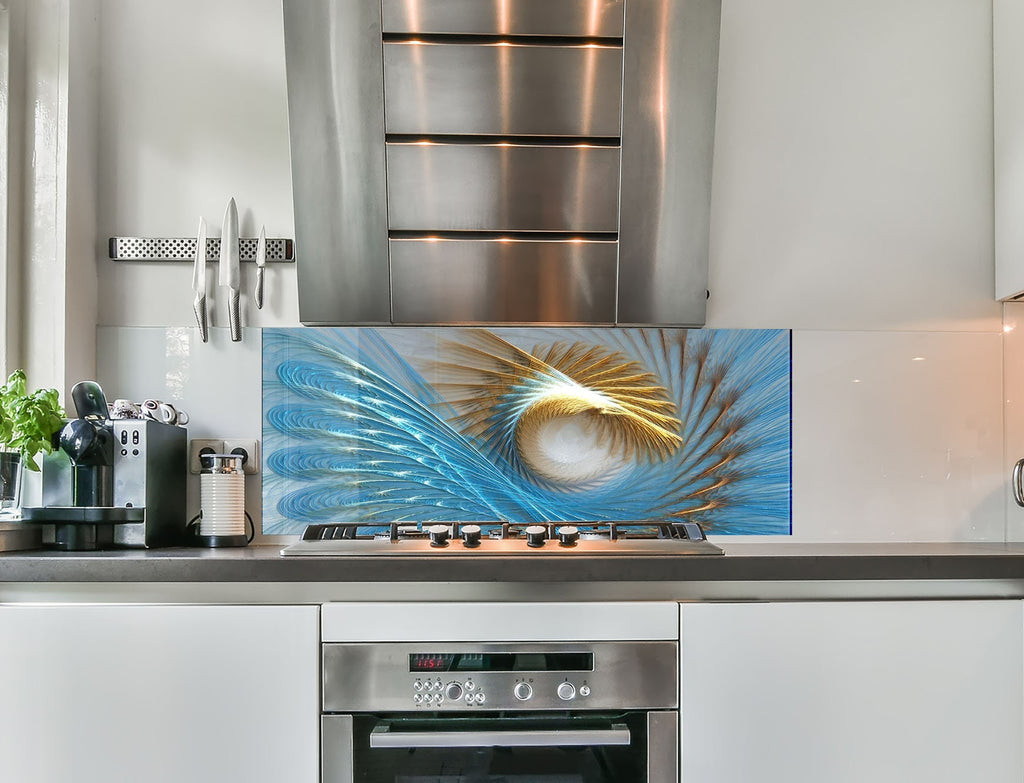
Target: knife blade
<point>229,273</point>
<point>261,262</point>
<point>199,282</point>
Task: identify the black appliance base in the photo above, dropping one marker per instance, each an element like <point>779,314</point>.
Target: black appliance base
<point>83,528</point>
<point>219,540</point>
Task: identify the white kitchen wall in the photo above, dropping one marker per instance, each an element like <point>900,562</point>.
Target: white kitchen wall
<point>193,112</point>
<point>853,166</point>
<point>852,203</point>
<point>217,383</point>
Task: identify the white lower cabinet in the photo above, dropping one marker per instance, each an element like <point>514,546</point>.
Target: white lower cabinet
<point>159,694</point>
<point>852,692</point>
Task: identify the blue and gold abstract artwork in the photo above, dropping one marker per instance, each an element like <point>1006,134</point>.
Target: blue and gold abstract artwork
<point>527,424</point>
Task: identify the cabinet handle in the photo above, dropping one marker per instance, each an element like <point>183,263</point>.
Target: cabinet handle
<point>382,737</point>
<point>1018,488</point>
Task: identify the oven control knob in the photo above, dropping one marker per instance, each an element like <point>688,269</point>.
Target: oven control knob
<point>471,535</point>
<point>568,535</point>
<point>438,535</point>
<point>584,690</point>
<point>522,691</point>
<point>453,692</point>
<point>535,535</point>
<point>566,691</point>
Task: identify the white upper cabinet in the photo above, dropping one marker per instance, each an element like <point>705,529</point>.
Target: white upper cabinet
<point>1008,111</point>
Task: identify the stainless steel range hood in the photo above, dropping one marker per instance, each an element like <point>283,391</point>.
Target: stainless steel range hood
<point>502,161</point>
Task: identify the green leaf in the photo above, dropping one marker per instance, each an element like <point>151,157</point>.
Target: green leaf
<point>28,422</point>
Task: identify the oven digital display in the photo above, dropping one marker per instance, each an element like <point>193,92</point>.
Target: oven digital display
<point>502,662</point>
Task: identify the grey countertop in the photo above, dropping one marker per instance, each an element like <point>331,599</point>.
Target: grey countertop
<point>747,562</point>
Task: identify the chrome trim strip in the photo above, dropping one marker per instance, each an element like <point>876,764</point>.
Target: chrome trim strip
<point>663,744</point>
<point>336,749</point>
<point>499,17</point>
<point>383,737</point>
<point>328,580</point>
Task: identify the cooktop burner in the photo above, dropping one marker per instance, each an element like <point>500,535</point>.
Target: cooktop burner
<point>504,538</point>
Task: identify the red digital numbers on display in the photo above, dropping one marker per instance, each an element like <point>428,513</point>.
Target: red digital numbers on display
<point>424,662</point>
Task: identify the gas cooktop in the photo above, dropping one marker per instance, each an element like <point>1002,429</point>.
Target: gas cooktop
<point>458,539</point>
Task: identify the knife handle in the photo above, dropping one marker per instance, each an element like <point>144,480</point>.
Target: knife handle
<point>258,294</point>
<point>234,317</point>
<point>199,306</point>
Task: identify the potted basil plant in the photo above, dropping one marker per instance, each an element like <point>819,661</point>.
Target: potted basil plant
<point>28,423</point>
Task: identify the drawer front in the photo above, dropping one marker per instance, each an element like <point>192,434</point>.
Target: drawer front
<point>597,18</point>
<point>502,89</point>
<point>505,281</point>
<point>502,187</point>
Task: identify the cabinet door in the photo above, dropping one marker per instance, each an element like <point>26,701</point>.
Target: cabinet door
<point>162,694</point>
<point>1008,127</point>
<point>907,692</point>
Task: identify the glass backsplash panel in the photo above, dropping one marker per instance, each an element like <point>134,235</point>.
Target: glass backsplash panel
<point>527,424</point>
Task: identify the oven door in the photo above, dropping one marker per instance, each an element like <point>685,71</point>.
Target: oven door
<point>631,747</point>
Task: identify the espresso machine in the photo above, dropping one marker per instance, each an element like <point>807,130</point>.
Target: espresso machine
<point>111,483</point>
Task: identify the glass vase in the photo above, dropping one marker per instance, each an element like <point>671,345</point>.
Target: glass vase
<point>11,469</point>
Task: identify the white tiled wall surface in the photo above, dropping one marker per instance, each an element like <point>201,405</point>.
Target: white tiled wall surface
<point>896,436</point>
<point>193,112</point>
<point>219,383</point>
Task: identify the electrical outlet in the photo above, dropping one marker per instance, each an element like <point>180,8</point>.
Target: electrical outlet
<point>199,446</point>
<point>249,449</point>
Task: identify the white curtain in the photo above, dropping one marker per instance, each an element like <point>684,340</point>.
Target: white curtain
<point>5,195</point>
<point>48,247</point>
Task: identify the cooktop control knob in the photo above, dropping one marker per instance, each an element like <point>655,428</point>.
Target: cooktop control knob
<point>535,535</point>
<point>566,691</point>
<point>522,691</point>
<point>438,535</point>
<point>568,535</point>
<point>453,692</point>
<point>471,535</point>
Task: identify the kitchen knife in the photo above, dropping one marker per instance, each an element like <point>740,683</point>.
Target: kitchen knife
<point>261,262</point>
<point>199,281</point>
<point>229,275</point>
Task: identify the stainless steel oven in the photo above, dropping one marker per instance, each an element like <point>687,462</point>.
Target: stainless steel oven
<point>518,712</point>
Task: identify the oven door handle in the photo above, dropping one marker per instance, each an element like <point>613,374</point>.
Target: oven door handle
<point>383,737</point>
